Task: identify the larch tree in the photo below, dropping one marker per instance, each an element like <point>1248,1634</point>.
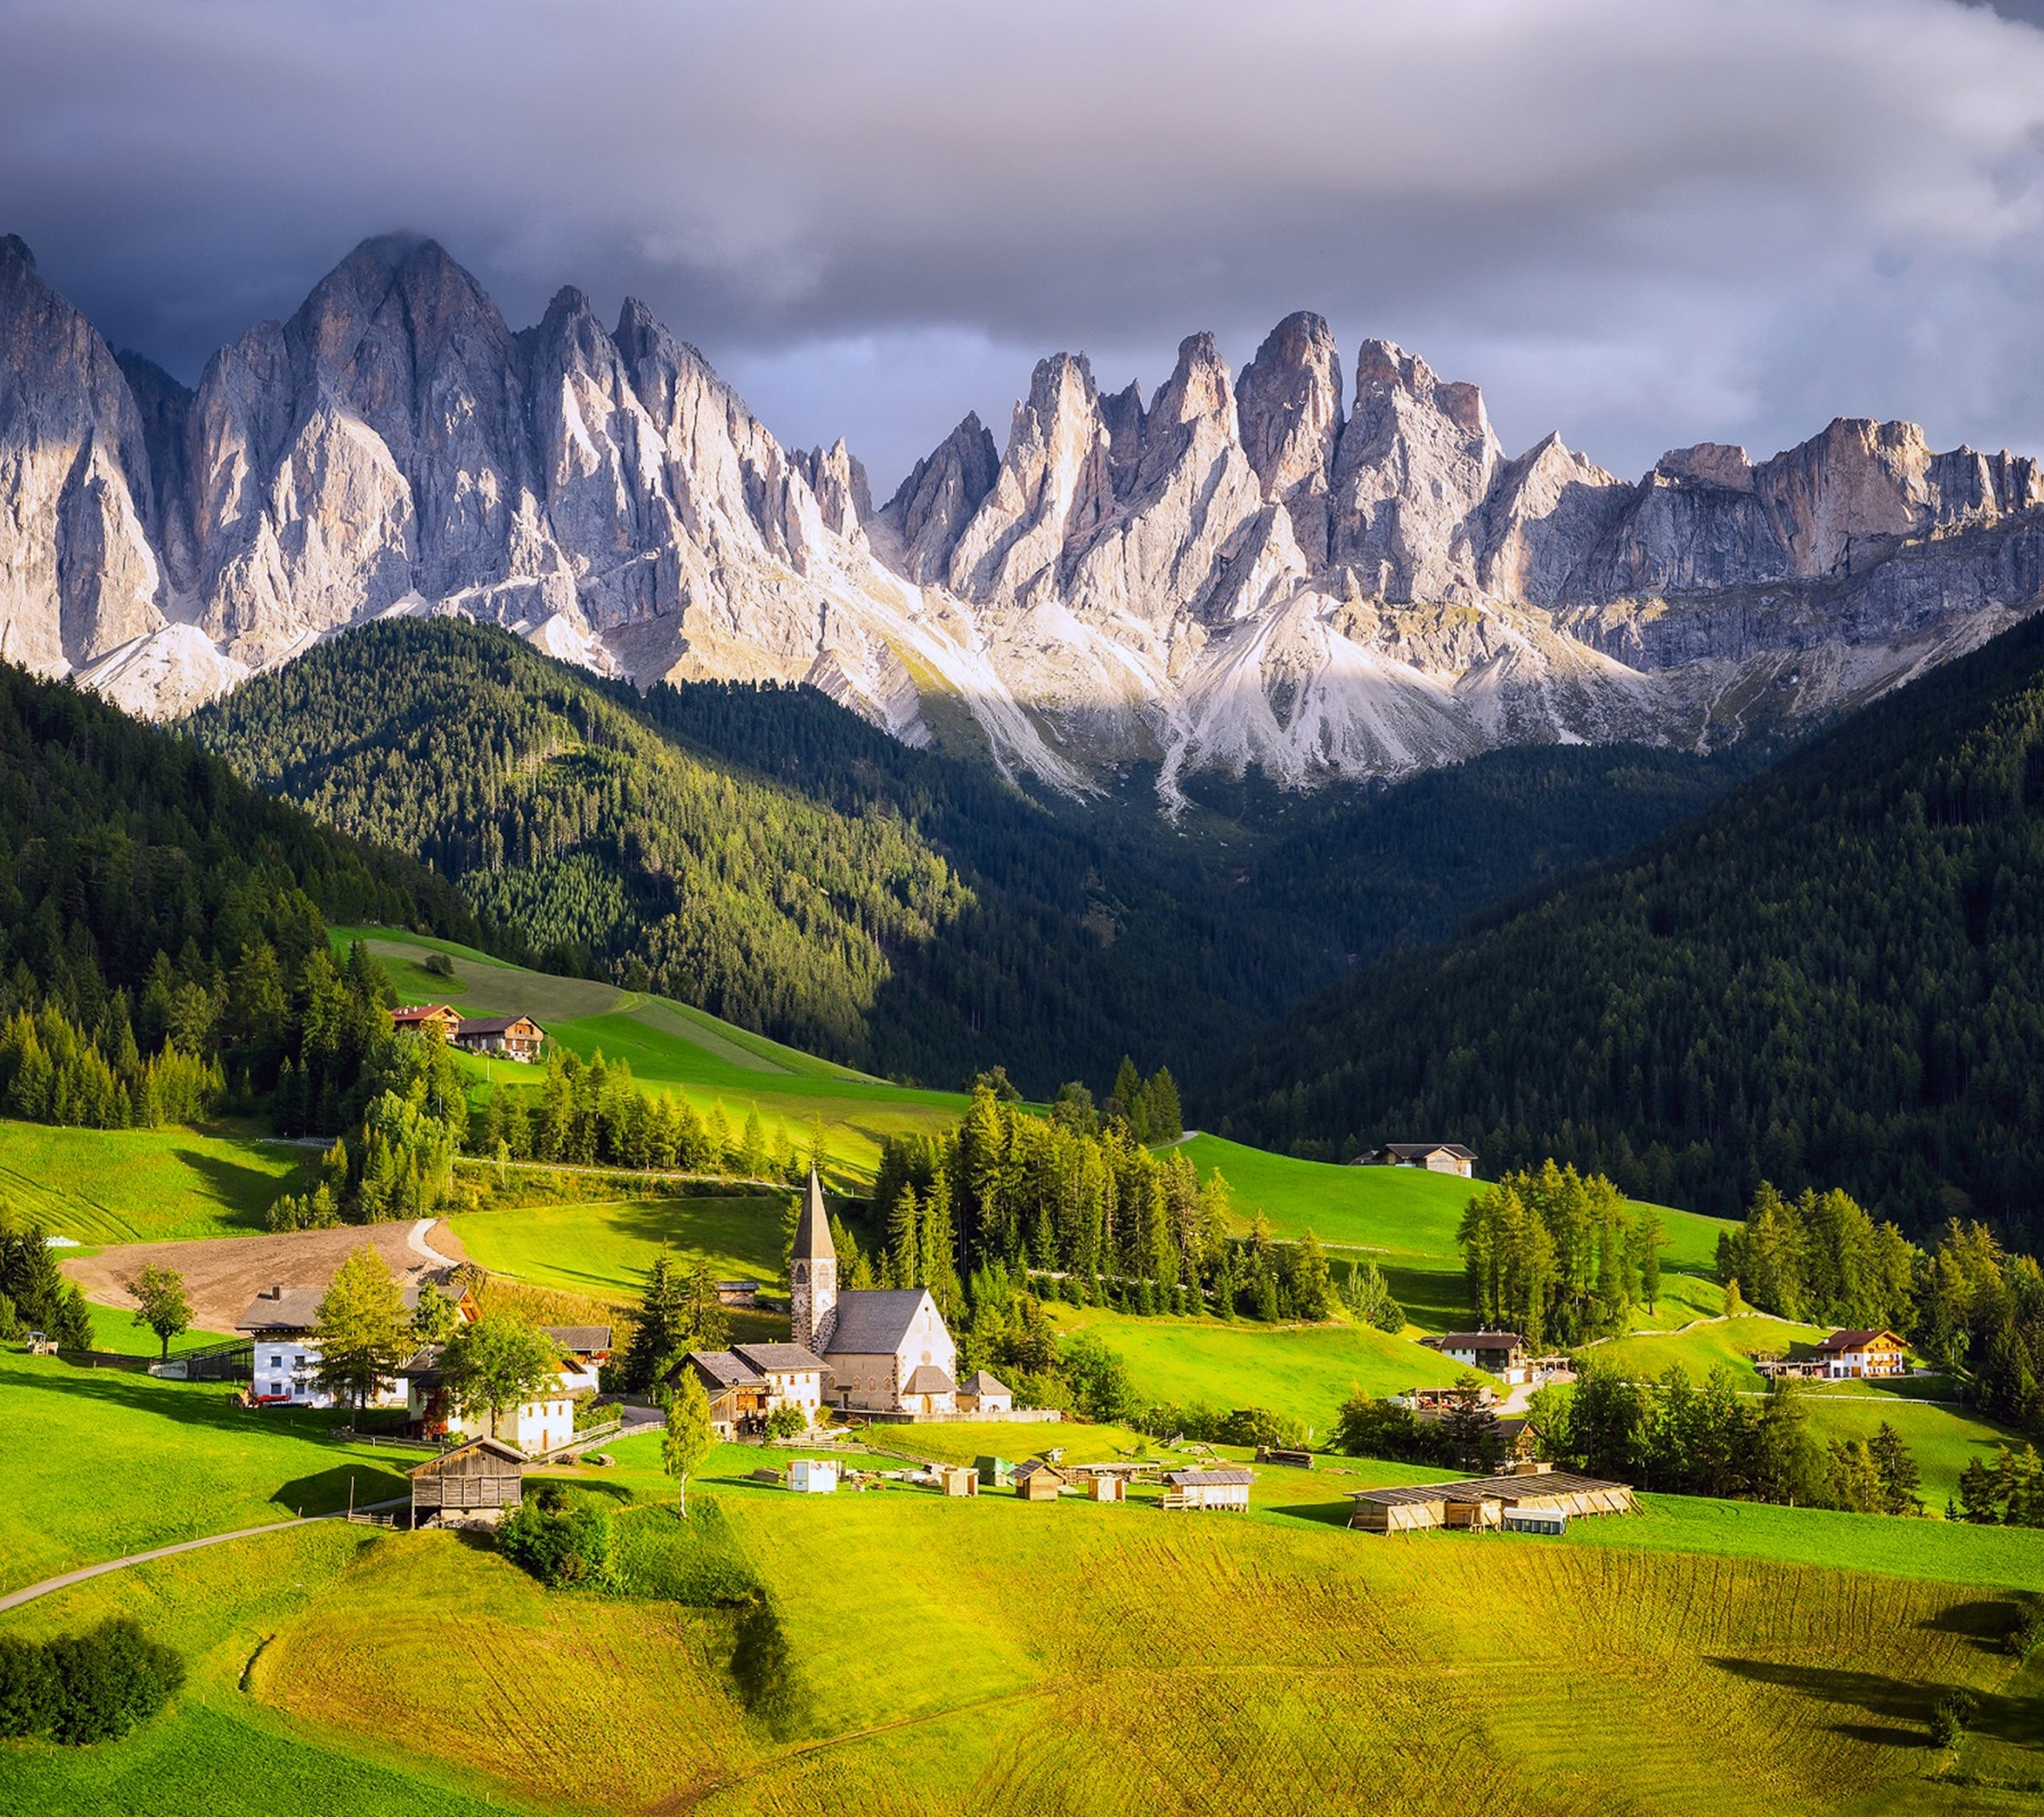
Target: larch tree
<point>689,1436</point>
<point>161,1302</point>
<point>362,1331</point>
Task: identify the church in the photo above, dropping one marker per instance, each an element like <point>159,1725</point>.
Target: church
<point>887,1349</point>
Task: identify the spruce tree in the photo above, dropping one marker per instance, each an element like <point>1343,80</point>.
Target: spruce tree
<point>662,1328</point>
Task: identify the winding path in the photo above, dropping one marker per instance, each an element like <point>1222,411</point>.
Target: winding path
<point>14,1599</point>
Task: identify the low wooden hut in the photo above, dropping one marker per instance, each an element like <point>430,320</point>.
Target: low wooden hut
<point>1226,1488</point>
<point>994,1472</point>
<point>1038,1480</point>
<point>1103,1487</point>
<point>1524,1497</point>
<point>475,1481</point>
<point>958,1479</point>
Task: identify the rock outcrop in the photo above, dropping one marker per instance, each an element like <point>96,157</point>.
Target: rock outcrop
<point>1236,570</point>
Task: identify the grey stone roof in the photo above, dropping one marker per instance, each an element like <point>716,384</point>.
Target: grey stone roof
<point>296,1309</point>
<point>984,1382</point>
<point>1476,1341</point>
<point>871,1321</point>
<point>472,1025</point>
<point>727,1369</point>
<point>579,1337</point>
<point>783,1357</point>
<point>812,1235</point>
<point>928,1379</point>
<point>1414,1151</point>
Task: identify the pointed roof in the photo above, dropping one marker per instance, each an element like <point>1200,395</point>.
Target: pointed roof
<point>812,1235</point>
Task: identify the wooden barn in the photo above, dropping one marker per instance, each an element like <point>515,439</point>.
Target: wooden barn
<point>1525,1497</point>
<point>516,1037</point>
<point>475,1481</point>
<point>1038,1480</point>
<point>1226,1488</point>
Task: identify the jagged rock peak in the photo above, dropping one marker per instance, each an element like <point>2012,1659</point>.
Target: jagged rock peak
<point>1289,405</point>
<point>1199,387</point>
<point>1383,366</point>
<point>837,478</point>
<point>15,253</point>
<point>1709,463</point>
<point>934,504</point>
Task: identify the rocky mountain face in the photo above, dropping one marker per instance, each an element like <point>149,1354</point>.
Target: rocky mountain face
<point>1258,567</point>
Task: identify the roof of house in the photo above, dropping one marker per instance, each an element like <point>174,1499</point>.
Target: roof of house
<point>984,1382</point>
<point>296,1309</point>
<point>1209,1478</point>
<point>579,1337</point>
<point>491,1024</point>
<point>1413,1150</point>
<point>1857,1340</point>
<point>926,1378</point>
<point>812,1235</point>
<point>871,1321</point>
<point>1476,1341</point>
<point>1543,1486</point>
<point>786,1358</point>
<point>424,1012</point>
<point>727,1369</point>
<point>1033,1465</point>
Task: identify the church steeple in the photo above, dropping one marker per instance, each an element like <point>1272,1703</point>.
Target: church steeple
<point>813,1271</point>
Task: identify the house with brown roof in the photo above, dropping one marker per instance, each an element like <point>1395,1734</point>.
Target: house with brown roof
<point>982,1391</point>
<point>1435,1157</point>
<point>1500,1353</point>
<point>748,1382</point>
<point>439,1020</point>
<point>1855,1355</point>
<point>280,1322</point>
<point>516,1037</point>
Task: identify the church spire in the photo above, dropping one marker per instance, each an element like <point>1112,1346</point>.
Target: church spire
<point>813,1272</point>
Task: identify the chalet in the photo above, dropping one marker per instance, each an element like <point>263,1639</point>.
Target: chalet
<point>439,1020</point>
<point>982,1392</point>
<point>1435,1157</point>
<point>474,1482</point>
<point>279,1324</point>
<point>1226,1487</point>
<point>748,1382</point>
<point>887,1349</point>
<point>586,1347</point>
<point>1525,1497</point>
<point>1854,1355</point>
<point>544,1423</point>
<point>1500,1353</point>
<point>516,1037</point>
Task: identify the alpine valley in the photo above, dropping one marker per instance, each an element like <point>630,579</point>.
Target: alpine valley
<point>1266,567</point>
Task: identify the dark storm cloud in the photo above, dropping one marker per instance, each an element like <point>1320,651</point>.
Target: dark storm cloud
<point>1646,225</point>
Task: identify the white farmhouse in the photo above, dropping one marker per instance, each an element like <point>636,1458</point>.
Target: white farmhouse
<point>279,1324</point>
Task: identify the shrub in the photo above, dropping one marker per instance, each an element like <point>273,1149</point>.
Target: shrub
<point>1952,1716</point>
<point>1262,1426</point>
<point>2026,1639</point>
<point>563,1541</point>
<point>786,1422</point>
<point>85,1688</point>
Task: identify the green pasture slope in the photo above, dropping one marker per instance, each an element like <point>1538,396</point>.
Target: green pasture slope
<point>104,1462</point>
<point>605,1247</point>
<point>141,1185</point>
<point>669,1046</point>
<point>1404,1219</point>
<point>995,1656</point>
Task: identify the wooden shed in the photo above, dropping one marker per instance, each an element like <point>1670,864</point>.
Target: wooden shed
<point>994,1472</point>
<point>958,1479</point>
<point>1103,1487</point>
<point>1525,1497</point>
<point>1038,1480</point>
<point>1226,1488</point>
<point>477,1481</point>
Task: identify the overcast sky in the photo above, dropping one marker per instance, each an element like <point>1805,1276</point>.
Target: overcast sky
<point>1644,222</point>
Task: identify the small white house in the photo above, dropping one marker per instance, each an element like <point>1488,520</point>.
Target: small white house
<point>279,1324</point>
<point>813,1477</point>
<point>984,1392</point>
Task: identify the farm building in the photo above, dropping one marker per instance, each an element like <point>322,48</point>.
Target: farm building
<point>516,1037</point>
<point>1480,1503</point>
<point>1225,1488</point>
<point>1106,1488</point>
<point>1435,1157</point>
<point>279,1323</point>
<point>1038,1480</point>
<point>813,1477</point>
<point>984,1392</point>
<point>958,1479</point>
<point>994,1472</point>
<point>889,1350</point>
<point>475,1481</point>
<point>439,1020</point>
<point>1854,1355</point>
<point>588,1346</point>
<point>748,1382</point>
<point>737,1293</point>
<point>1499,1354</point>
<point>544,1423</point>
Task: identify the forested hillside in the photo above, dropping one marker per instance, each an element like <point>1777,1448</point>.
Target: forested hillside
<point>765,853</point>
<point>163,924</point>
<point>1836,978</point>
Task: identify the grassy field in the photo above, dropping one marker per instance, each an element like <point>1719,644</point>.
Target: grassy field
<point>1404,1219</point>
<point>115,1332</point>
<point>140,1185</point>
<point>604,1248</point>
<point>104,1462</point>
<point>1306,1370</point>
<point>670,1044</point>
<point>996,1656</point>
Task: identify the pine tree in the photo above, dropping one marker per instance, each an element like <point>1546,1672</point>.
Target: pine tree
<point>660,1331</point>
<point>1900,1479</point>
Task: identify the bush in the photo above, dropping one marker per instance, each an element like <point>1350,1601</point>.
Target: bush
<point>2026,1639</point>
<point>786,1422</point>
<point>1952,1716</point>
<point>1262,1426</point>
<point>85,1688</point>
<point>565,1542</point>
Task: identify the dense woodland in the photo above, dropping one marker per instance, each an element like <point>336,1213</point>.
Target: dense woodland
<point>1836,976</point>
<point>765,853</point>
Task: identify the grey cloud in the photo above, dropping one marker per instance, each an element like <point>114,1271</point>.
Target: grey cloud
<point>1645,225</point>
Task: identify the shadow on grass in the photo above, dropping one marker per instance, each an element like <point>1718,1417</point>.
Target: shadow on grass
<point>247,1191</point>
<point>1317,1513</point>
<point>328,1491</point>
<point>1985,1623</point>
<point>2017,1719</point>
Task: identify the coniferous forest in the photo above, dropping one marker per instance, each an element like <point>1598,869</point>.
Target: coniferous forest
<point>765,853</point>
<point>1835,977</point>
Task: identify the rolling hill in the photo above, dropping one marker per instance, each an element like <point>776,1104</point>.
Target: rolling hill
<point>1832,978</point>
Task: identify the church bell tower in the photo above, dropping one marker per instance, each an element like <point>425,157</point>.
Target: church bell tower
<point>813,1272</point>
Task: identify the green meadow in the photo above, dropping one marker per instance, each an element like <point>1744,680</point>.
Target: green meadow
<point>141,1185</point>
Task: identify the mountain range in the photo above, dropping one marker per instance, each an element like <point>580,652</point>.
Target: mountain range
<point>1263,567</point>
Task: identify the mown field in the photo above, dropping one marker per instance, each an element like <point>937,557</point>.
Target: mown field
<point>670,1046</point>
<point>605,1247</point>
<point>140,1185</point>
<point>104,1462</point>
<point>990,1655</point>
<point>1306,1370</point>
